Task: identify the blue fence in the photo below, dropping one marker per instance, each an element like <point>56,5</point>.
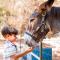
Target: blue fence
<point>46,54</point>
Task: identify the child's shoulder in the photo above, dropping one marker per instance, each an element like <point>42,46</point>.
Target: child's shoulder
<point>7,44</point>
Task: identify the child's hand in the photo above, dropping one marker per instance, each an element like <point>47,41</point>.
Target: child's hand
<point>30,49</point>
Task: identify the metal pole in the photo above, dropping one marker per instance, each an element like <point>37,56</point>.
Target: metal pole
<point>40,50</point>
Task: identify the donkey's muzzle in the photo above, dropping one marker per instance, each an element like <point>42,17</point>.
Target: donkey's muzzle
<point>29,41</point>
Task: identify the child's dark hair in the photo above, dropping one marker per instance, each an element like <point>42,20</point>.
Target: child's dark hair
<point>9,30</point>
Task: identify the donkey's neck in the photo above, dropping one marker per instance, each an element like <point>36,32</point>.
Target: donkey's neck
<point>54,19</point>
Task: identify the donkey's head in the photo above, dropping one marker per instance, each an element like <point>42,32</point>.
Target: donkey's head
<point>37,22</point>
<point>38,19</point>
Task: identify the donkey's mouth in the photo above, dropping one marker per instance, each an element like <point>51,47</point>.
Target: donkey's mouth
<point>29,40</point>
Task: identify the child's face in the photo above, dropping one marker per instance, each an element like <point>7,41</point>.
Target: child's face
<point>11,37</point>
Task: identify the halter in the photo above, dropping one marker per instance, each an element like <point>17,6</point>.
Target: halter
<point>41,27</point>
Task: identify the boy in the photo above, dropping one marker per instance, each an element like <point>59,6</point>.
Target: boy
<point>10,49</point>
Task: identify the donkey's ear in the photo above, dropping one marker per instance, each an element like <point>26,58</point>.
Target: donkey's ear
<point>46,6</point>
<point>50,2</point>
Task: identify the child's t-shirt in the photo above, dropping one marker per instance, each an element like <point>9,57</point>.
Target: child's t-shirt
<point>9,50</point>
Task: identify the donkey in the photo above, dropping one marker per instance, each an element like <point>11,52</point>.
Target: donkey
<point>43,20</point>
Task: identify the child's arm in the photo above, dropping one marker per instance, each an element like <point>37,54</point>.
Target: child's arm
<point>22,54</point>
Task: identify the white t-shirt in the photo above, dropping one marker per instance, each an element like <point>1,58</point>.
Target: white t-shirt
<point>11,49</point>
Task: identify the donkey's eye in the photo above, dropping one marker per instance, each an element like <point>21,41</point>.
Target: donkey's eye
<point>31,20</point>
